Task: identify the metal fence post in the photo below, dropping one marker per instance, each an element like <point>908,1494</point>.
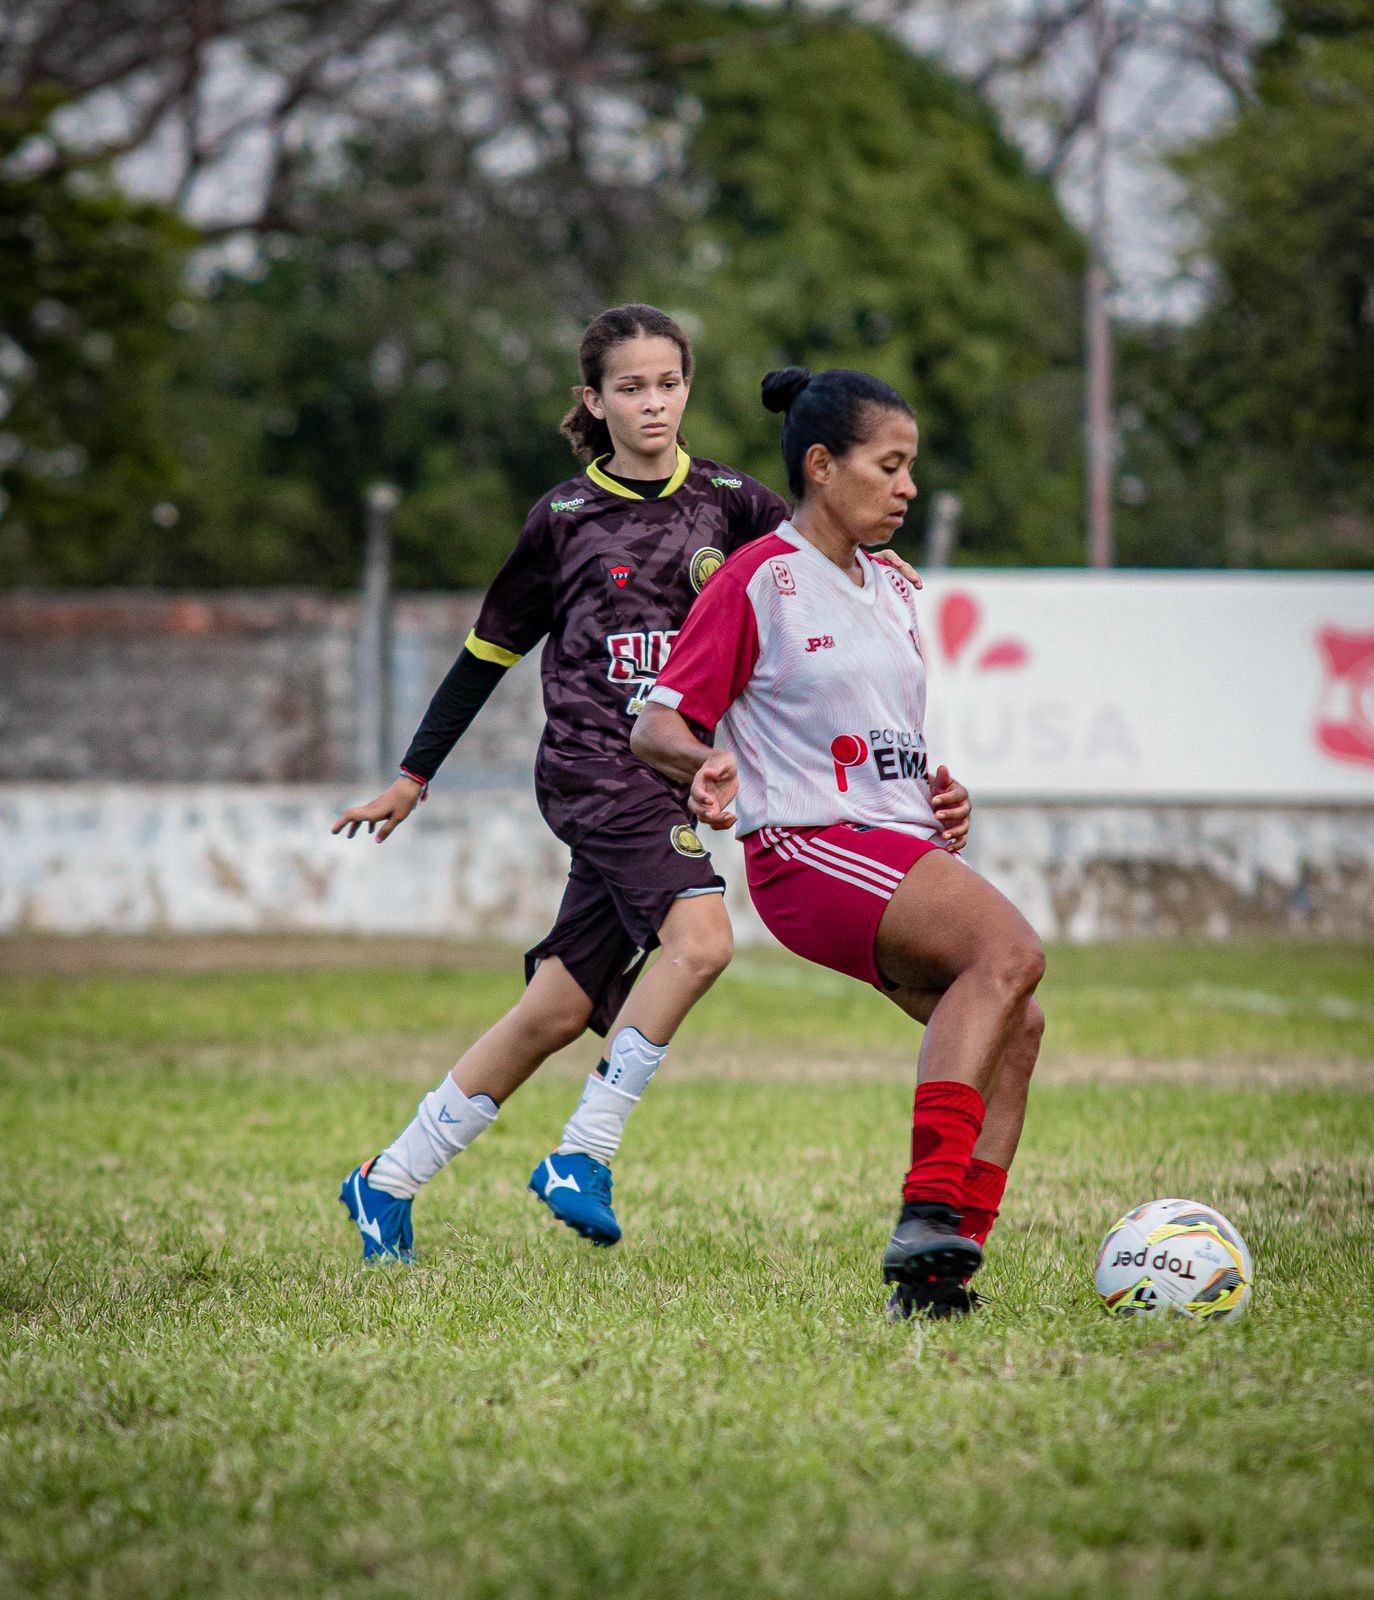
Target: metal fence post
<point>942,529</point>
<point>374,637</point>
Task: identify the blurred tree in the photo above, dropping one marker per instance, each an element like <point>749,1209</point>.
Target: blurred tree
<point>804,185</point>
<point>1263,412</point>
<point>858,206</point>
<point>344,362</point>
<point>429,199</point>
<point>90,292</point>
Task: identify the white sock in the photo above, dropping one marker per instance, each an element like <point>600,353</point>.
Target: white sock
<point>597,1126</point>
<point>446,1122</point>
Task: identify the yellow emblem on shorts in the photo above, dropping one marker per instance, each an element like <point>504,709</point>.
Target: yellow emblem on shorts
<point>705,562</point>
<point>685,841</point>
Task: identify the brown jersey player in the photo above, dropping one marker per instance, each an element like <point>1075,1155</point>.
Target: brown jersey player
<point>604,572</point>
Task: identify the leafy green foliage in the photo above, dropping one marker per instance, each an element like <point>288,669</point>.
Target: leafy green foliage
<point>863,209</point>
<point>841,202</point>
<point>342,364</point>
<point>1263,413</point>
<point>90,287</point>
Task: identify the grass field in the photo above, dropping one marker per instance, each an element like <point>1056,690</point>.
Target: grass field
<point>202,1392</point>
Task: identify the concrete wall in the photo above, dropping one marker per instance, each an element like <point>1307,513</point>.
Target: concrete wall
<point>234,687</point>
<point>148,858</point>
<point>174,761</point>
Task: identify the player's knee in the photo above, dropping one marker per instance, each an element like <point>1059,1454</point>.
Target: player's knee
<point>703,954</point>
<point>1014,970</point>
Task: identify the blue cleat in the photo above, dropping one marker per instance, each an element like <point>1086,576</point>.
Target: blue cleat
<point>383,1221</point>
<point>577,1189</point>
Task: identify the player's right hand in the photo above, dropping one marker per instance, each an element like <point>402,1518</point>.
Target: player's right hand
<point>714,787</point>
<point>389,809</point>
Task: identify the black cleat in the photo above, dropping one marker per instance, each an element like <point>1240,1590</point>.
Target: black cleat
<point>937,1302</point>
<point>926,1244</point>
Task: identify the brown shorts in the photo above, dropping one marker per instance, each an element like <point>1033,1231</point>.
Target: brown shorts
<point>624,879</point>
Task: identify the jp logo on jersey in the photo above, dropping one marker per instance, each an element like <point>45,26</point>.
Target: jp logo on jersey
<point>705,563</point>
<point>620,573</point>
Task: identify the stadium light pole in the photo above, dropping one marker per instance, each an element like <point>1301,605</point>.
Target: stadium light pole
<point>374,635</point>
<point>1098,433</point>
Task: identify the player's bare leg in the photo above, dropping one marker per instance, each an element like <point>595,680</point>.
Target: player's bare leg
<point>947,931</point>
<point>1009,1089</point>
<point>574,1181</point>
<point>695,948</point>
<point>1006,1102</point>
<point>553,1012</point>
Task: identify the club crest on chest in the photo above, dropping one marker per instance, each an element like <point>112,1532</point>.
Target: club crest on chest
<point>620,573</point>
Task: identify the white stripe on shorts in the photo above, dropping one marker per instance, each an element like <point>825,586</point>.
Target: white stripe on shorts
<point>810,857</point>
<point>856,862</point>
<point>820,864</point>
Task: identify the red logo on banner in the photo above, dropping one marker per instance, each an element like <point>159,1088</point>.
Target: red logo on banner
<point>1345,719</point>
<point>957,621</point>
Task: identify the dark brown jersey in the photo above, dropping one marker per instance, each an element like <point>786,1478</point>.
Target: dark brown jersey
<point>609,578</point>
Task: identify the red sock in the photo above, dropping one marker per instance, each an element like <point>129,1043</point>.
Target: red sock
<point>946,1119</point>
<point>983,1189</point>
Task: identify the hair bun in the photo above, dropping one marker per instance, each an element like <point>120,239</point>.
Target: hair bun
<point>780,389</point>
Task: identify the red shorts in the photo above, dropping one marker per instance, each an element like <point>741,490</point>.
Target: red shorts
<point>822,891</point>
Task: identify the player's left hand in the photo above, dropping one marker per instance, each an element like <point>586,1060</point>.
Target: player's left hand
<point>952,807</point>
<point>890,558</point>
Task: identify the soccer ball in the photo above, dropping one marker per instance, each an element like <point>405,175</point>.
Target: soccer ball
<point>1174,1257</point>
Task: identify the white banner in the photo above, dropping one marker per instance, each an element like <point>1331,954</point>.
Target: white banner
<point>1135,686</point>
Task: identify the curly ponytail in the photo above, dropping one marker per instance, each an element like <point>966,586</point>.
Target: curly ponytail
<point>588,435</point>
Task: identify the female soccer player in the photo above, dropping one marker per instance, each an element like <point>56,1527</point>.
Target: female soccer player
<point>806,656</point>
<point>606,567</point>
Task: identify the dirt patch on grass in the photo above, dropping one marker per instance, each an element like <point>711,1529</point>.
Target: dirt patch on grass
<point>78,955</point>
<point>418,1060</point>
<point>1273,1073</point>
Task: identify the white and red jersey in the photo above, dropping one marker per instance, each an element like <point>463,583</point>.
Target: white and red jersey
<point>817,687</point>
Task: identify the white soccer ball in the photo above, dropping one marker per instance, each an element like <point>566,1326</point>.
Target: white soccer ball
<point>1174,1257</point>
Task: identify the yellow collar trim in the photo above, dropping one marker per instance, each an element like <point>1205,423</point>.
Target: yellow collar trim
<point>604,481</point>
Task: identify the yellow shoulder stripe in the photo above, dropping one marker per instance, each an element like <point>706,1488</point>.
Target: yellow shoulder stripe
<point>489,652</point>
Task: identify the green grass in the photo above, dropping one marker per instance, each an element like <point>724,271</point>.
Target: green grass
<point>201,1392</point>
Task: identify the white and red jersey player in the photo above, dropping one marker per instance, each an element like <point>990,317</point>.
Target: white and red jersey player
<point>817,686</point>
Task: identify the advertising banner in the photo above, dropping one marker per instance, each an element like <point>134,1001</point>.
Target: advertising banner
<point>1143,686</point>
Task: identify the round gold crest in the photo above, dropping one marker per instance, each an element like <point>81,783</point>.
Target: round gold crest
<point>705,562</point>
<point>685,841</point>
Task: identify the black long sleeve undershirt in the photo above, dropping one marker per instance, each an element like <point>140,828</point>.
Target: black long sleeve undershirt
<point>464,691</point>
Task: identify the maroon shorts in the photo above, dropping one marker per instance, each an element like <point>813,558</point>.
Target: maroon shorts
<point>822,891</point>
<point>624,879</point>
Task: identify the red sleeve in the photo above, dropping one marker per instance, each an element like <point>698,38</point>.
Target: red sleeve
<point>713,657</point>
